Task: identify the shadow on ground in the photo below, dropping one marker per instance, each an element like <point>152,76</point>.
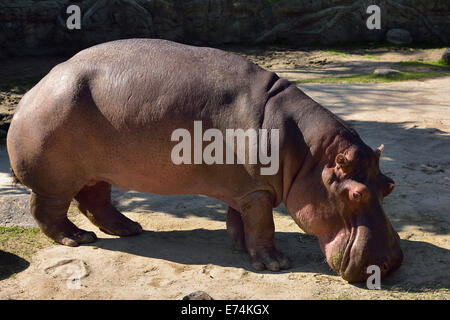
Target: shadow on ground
<point>200,246</point>
<point>338,69</point>
<point>425,267</point>
<point>204,246</point>
<point>11,264</point>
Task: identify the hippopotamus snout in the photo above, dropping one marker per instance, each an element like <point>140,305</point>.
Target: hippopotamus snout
<point>372,248</point>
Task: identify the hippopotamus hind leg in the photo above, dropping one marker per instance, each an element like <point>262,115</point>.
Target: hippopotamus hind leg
<point>235,229</point>
<point>95,203</point>
<point>51,215</point>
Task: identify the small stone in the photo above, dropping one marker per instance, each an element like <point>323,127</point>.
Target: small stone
<point>385,71</point>
<point>398,36</point>
<point>198,295</point>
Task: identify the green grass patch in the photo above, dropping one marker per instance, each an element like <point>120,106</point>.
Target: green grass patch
<point>23,242</point>
<point>348,55</point>
<point>436,65</point>
<point>373,78</point>
<point>338,53</point>
<point>381,44</point>
<point>369,56</point>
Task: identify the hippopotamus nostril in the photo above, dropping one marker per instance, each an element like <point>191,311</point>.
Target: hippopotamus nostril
<point>385,267</point>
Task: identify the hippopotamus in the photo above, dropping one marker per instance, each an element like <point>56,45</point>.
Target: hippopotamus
<point>106,117</point>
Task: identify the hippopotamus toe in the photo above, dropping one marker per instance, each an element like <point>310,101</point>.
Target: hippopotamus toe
<point>128,228</point>
<point>78,238</point>
<point>269,259</point>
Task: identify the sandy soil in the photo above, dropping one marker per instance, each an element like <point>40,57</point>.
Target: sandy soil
<point>185,247</point>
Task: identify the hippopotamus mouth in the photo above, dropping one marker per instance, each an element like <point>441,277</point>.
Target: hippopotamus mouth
<point>345,261</point>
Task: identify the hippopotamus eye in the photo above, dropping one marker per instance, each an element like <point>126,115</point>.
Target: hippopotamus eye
<point>356,196</point>
<point>354,190</point>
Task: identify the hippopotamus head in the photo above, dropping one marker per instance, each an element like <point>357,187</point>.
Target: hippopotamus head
<point>340,202</point>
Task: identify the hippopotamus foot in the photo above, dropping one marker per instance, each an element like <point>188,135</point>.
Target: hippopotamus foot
<point>51,215</point>
<point>256,221</point>
<point>268,258</point>
<point>95,203</point>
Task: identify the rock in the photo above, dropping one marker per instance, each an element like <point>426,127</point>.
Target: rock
<point>398,36</point>
<point>385,71</point>
<point>198,295</point>
<point>446,56</point>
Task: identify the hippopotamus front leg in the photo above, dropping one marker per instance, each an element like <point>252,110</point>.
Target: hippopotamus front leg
<point>95,203</point>
<point>51,215</point>
<point>256,221</point>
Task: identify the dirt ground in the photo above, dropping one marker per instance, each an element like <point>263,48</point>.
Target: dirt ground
<point>185,247</point>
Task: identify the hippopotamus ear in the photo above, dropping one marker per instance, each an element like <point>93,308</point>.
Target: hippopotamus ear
<point>342,161</point>
<point>387,185</point>
<point>379,150</point>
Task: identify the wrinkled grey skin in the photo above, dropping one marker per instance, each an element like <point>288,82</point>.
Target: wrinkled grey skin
<point>105,117</point>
